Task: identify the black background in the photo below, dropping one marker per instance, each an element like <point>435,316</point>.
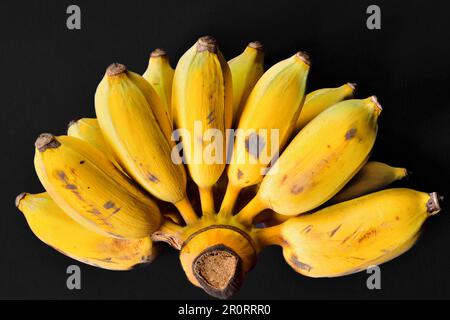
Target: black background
<point>48,76</point>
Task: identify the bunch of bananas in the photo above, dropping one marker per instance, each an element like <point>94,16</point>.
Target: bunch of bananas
<point>117,183</point>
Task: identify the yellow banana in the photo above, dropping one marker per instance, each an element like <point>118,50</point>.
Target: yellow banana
<point>319,100</point>
<point>351,236</point>
<point>202,101</point>
<point>55,228</point>
<point>245,69</point>
<point>272,107</point>
<point>372,177</point>
<point>159,74</point>
<point>87,129</point>
<point>86,185</point>
<point>320,160</point>
<point>126,117</point>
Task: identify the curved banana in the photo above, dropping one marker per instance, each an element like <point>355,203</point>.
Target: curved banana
<point>319,100</point>
<point>202,101</point>
<point>159,74</point>
<point>351,236</point>
<point>245,69</point>
<point>272,108</point>
<point>88,129</point>
<point>87,186</point>
<point>126,117</point>
<point>320,160</point>
<point>55,228</point>
<point>372,177</point>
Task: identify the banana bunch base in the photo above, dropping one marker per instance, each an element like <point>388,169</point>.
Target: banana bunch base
<point>113,182</point>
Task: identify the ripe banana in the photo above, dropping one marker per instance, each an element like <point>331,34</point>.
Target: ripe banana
<point>372,177</point>
<point>87,129</point>
<point>350,236</point>
<point>86,185</point>
<point>126,116</point>
<point>320,160</point>
<point>55,228</point>
<point>319,100</point>
<point>273,104</point>
<point>202,102</point>
<point>159,74</point>
<point>245,69</point>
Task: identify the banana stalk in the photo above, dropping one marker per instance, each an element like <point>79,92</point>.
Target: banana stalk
<point>372,177</point>
<point>159,74</point>
<point>319,100</point>
<point>202,102</point>
<point>55,228</point>
<point>127,110</point>
<point>86,185</point>
<point>245,69</point>
<point>351,236</point>
<point>320,160</point>
<point>272,108</point>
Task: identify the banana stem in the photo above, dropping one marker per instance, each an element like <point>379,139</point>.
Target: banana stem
<point>184,206</point>
<point>269,236</point>
<point>170,233</point>
<point>250,211</point>
<point>229,200</point>
<point>207,201</point>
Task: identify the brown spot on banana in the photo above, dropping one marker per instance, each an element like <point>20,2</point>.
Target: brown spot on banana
<point>370,233</point>
<point>254,144</point>
<point>296,189</point>
<point>210,117</point>
<point>239,174</point>
<point>350,236</point>
<point>152,178</point>
<point>300,265</point>
<point>308,228</point>
<point>350,134</point>
<point>332,232</point>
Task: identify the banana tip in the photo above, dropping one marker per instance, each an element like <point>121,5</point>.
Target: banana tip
<point>158,52</point>
<point>378,107</point>
<point>19,198</point>
<point>433,204</point>
<point>115,69</point>
<point>304,57</point>
<point>256,45</point>
<point>207,43</point>
<point>352,85</point>
<point>46,141</point>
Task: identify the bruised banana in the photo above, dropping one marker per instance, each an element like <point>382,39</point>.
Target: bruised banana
<point>319,100</point>
<point>202,105</point>
<point>125,114</point>
<point>320,160</point>
<point>55,228</point>
<point>372,177</point>
<point>87,186</point>
<point>159,74</point>
<point>245,69</point>
<point>87,129</point>
<point>272,107</point>
<point>351,236</point>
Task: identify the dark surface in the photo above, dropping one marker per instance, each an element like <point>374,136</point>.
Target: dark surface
<point>49,75</point>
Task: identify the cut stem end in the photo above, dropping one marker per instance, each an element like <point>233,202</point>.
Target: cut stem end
<point>218,269</point>
<point>46,141</point>
<point>433,205</point>
<point>115,69</point>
